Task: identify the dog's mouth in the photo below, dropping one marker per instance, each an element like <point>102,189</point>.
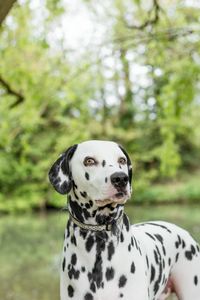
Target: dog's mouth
<point>120,195</point>
<point>118,198</point>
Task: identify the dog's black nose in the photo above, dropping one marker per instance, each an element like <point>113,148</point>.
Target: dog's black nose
<point>119,179</point>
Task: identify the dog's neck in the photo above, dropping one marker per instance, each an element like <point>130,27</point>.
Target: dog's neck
<point>87,212</point>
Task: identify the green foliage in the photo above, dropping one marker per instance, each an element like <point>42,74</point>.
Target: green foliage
<point>184,190</point>
<point>61,98</point>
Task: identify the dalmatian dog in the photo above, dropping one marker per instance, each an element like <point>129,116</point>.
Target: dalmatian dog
<point>104,257</point>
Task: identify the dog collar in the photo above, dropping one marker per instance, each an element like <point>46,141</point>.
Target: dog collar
<point>112,226</point>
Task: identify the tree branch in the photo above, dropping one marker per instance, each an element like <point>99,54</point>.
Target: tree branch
<point>11,91</point>
<point>170,33</point>
<point>5,7</point>
<point>156,9</point>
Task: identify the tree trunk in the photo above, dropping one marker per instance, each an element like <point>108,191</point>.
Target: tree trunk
<point>5,7</point>
<point>126,108</point>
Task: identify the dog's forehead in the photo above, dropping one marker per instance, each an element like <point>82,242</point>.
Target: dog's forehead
<point>101,149</point>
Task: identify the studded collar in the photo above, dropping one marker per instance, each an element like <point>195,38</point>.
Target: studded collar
<point>112,226</point>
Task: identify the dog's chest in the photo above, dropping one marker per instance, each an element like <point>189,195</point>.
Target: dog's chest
<point>101,264</point>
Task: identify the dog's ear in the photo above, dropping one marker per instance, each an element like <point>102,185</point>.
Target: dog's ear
<point>128,163</point>
<point>60,175</point>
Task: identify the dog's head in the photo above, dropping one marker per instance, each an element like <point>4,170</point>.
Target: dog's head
<point>99,170</point>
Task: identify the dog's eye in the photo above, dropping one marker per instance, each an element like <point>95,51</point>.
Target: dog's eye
<point>122,161</point>
<point>89,161</point>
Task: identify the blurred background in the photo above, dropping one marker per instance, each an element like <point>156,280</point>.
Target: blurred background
<point>126,71</point>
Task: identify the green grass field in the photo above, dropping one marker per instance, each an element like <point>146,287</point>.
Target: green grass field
<point>31,246</point>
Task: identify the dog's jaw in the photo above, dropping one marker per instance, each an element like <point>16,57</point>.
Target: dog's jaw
<point>113,201</point>
<point>95,212</point>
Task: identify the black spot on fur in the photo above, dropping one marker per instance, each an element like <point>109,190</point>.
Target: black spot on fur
<point>93,287</point>
<point>74,190</point>
<point>122,281</point>
<point>163,281</point>
<point>87,205</point>
<point>188,255</point>
<point>177,255</point>
<point>151,236</point>
<point>83,194</point>
<point>126,222</point>
<point>159,238</point>
<point>77,210</point>
<point>64,187</point>
<point>110,273</point>
<point>103,163</point>
<point>86,213</point>
<point>111,250</point>
<point>163,249</point>
<point>193,250</point>
<point>73,259</point>
<point>195,280</point>
<point>121,237</point>
<point>89,243</point>
<point>136,245</point>
<point>156,257</point>
<point>97,274</point>
<point>132,267</point>
<point>83,233</point>
<point>160,272</point>
<point>72,273</point>
<point>156,286</point>
<point>70,291</point>
<point>159,225</point>
<point>152,273</point>
<point>94,213</point>
<point>101,219</point>
<point>63,264</point>
<point>73,240</point>
<point>176,244</point>
<point>87,176</point>
<point>163,263</point>
<point>147,260</point>
<point>101,238</point>
<point>88,296</point>
<point>75,185</point>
